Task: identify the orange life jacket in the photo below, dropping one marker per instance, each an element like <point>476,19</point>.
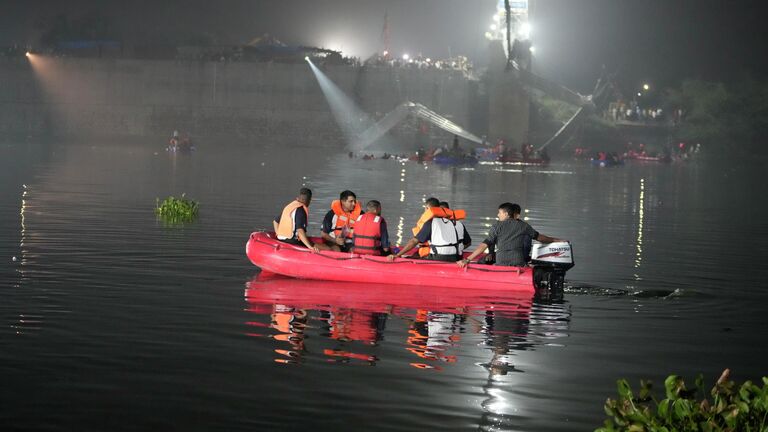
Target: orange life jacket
<point>427,216</point>
<point>367,238</point>
<point>344,219</point>
<point>285,228</point>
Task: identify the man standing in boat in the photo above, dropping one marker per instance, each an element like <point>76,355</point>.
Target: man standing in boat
<point>509,236</point>
<point>339,222</point>
<point>291,225</point>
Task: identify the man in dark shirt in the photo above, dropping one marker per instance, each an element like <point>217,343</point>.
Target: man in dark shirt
<point>509,236</point>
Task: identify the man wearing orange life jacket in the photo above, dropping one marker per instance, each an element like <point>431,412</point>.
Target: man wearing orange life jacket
<point>291,225</point>
<point>339,221</point>
<point>445,233</point>
<point>425,217</point>
<point>371,237</point>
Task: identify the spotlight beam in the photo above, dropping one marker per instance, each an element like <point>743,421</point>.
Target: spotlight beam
<point>352,120</point>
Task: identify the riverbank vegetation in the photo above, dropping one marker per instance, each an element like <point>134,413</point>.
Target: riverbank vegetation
<point>730,407</point>
<point>731,118</point>
<point>725,118</point>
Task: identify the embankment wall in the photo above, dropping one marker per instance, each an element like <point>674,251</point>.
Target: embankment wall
<point>123,97</point>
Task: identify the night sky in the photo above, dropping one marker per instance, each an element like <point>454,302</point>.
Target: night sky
<point>656,41</point>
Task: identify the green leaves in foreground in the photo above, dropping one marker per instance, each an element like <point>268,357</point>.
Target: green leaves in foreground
<point>729,408</point>
<point>176,210</point>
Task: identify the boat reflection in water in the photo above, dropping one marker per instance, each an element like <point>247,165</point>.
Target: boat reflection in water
<point>352,317</point>
<point>473,332</point>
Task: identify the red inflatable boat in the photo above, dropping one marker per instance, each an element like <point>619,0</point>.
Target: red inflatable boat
<point>271,255</point>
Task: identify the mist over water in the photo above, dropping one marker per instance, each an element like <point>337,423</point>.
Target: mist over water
<point>111,320</point>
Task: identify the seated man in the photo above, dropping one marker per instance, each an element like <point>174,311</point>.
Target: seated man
<point>339,222</point>
<point>445,233</point>
<point>291,225</point>
<point>425,217</point>
<point>490,257</point>
<point>371,237</point>
<point>508,236</point>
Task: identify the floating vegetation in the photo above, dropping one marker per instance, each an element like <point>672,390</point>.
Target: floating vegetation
<point>176,210</point>
<point>731,407</point>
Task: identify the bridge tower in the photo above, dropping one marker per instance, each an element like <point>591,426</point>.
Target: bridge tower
<point>509,42</point>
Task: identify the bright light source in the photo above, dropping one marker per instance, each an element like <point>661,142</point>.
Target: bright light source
<point>385,53</point>
<point>406,57</point>
<point>28,54</point>
<point>532,49</point>
<point>525,31</point>
<point>646,87</point>
<point>639,94</point>
<point>306,58</point>
<point>429,59</point>
<point>493,27</point>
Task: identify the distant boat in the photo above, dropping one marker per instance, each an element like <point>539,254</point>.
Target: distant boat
<point>452,160</point>
<point>607,162</point>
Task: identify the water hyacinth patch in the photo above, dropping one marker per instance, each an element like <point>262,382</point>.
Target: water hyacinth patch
<point>176,210</point>
<point>731,407</point>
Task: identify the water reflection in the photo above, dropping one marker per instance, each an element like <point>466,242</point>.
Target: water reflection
<point>352,316</point>
<point>431,335</point>
<point>25,322</point>
<point>640,217</point>
<point>505,336</point>
<point>22,241</point>
<point>290,324</point>
<point>345,323</point>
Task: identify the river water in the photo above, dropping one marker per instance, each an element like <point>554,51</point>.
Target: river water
<point>112,320</point>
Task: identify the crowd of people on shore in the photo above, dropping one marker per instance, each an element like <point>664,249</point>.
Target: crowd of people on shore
<point>632,111</point>
<point>458,63</point>
<point>439,233</point>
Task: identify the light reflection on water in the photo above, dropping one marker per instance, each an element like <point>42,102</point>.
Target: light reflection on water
<point>640,217</point>
<point>435,322</point>
<point>109,311</point>
<point>438,330</point>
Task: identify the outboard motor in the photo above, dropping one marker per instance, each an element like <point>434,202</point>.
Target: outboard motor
<point>550,262</point>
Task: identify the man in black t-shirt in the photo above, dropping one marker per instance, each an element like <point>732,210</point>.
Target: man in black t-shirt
<point>509,236</point>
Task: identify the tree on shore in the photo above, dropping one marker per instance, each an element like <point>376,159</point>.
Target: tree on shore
<point>730,118</point>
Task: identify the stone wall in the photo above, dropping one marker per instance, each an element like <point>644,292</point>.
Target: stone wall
<point>105,97</point>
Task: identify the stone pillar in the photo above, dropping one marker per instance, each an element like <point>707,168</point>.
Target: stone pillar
<point>508,101</point>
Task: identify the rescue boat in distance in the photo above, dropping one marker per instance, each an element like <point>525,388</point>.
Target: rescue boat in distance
<point>549,264</point>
